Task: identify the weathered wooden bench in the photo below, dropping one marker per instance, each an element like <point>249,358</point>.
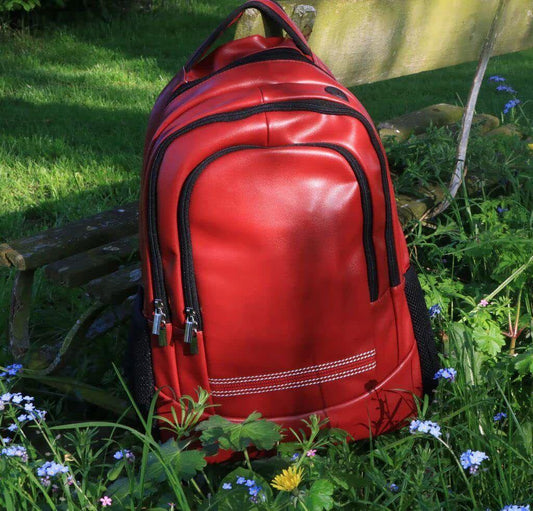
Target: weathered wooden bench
<point>99,254</point>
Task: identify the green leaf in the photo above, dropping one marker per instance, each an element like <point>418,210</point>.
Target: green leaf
<point>253,430</point>
<point>185,464</point>
<point>320,496</point>
<point>489,339</point>
<point>524,363</point>
<point>120,492</point>
<point>190,463</point>
<point>212,430</point>
<point>115,470</point>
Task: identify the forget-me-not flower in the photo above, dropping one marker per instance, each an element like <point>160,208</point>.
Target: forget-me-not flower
<point>434,310</point>
<point>505,88</point>
<point>471,460</point>
<point>51,469</point>
<point>124,453</point>
<point>510,105</point>
<point>11,370</point>
<point>448,373</point>
<point>432,428</point>
<point>15,451</point>
<point>254,490</point>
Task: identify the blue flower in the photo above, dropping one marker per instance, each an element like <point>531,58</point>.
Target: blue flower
<point>11,370</point>
<point>226,486</point>
<point>241,480</point>
<point>6,398</point>
<point>31,415</point>
<point>434,310</point>
<point>429,427</point>
<point>12,427</point>
<point>124,453</point>
<point>515,507</point>
<point>506,88</point>
<point>254,490</point>
<point>295,456</point>
<point>510,105</point>
<point>51,469</point>
<point>501,210</point>
<point>393,488</point>
<point>15,451</point>
<point>496,78</point>
<point>6,440</point>
<point>448,373</point>
<point>17,398</point>
<point>500,416</point>
<point>472,460</point>
<point>249,483</point>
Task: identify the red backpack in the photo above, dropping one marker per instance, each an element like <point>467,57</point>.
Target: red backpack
<point>276,274</point>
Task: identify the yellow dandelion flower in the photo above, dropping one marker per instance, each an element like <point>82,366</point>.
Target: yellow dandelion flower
<point>288,480</point>
<point>530,146</point>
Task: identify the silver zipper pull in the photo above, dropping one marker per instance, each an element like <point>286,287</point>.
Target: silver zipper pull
<point>191,325</point>
<point>158,326</point>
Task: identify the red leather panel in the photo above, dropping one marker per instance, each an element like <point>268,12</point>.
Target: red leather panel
<point>279,257</point>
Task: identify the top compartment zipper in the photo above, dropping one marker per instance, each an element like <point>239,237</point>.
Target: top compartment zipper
<point>262,56</point>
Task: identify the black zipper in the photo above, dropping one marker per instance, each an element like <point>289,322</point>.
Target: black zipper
<point>190,291</point>
<point>262,56</point>
<point>322,106</point>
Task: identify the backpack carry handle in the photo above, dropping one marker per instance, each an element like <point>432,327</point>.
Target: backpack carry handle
<point>268,8</point>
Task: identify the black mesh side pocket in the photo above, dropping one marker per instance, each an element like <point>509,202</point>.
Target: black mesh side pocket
<point>138,363</point>
<point>425,339</point>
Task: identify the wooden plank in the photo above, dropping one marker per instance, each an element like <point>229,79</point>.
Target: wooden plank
<point>60,242</point>
<point>81,268</point>
<point>19,313</point>
<point>116,286</point>
<point>364,41</point>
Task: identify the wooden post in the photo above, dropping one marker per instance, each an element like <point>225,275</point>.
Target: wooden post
<point>19,313</point>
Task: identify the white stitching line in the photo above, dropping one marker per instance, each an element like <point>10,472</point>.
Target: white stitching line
<point>301,383</point>
<point>294,372</point>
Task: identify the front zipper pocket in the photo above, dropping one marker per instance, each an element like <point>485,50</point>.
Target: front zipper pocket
<point>316,105</point>
<point>193,313</point>
<point>276,248</point>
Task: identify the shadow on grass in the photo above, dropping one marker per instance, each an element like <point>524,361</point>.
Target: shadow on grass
<point>84,133</point>
<point>166,36</point>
